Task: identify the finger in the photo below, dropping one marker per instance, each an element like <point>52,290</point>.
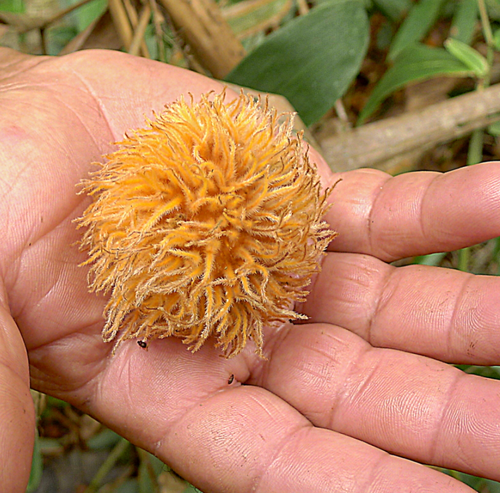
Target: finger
<point>441,313</point>
<point>286,454</point>
<point>17,421</point>
<point>11,61</point>
<point>406,404</point>
<point>225,436</point>
<point>415,213</point>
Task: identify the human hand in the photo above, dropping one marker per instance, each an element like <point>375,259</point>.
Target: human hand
<point>361,379</point>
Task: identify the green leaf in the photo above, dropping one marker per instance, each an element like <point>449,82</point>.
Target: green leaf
<point>496,39</point>
<point>16,6</point>
<point>130,486</point>
<point>312,59</point>
<point>259,15</point>
<point>414,63</point>
<point>434,259</point>
<point>103,440</point>
<point>366,3</point>
<point>58,36</point>
<point>36,466</point>
<point>492,486</point>
<point>192,489</point>
<point>146,480</point>
<point>420,19</point>
<point>494,129</point>
<point>394,9</point>
<point>464,21</point>
<point>384,36</point>
<point>493,7</point>
<point>84,15</point>
<point>470,57</point>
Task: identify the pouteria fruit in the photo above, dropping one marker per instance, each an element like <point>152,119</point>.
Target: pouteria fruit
<point>206,224</point>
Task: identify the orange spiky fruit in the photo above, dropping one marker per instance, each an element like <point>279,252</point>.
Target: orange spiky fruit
<point>207,223</point>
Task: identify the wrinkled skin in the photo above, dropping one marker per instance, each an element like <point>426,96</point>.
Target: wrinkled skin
<point>337,401</point>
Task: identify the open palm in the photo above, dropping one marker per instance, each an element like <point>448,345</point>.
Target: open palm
<point>360,379</point>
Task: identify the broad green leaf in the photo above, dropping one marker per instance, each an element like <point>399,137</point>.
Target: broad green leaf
<point>83,16</point>
<point>493,9</point>
<point>58,36</point>
<point>414,63</point>
<point>464,21</point>
<point>420,19</point>
<point>394,9</point>
<point>16,6</point>
<point>312,59</point>
<point>470,57</point>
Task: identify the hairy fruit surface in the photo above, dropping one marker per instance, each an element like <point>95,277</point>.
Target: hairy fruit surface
<point>208,223</point>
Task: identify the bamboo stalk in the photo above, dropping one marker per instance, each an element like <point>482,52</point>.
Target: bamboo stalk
<point>133,20</point>
<point>121,22</point>
<point>303,7</point>
<point>138,42</point>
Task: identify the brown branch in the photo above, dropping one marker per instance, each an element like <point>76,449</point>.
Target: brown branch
<point>384,143</point>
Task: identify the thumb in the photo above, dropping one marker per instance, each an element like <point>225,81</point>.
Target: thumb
<point>17,417</point>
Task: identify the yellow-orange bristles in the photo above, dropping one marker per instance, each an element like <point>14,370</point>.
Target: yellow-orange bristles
<point>206,224</point>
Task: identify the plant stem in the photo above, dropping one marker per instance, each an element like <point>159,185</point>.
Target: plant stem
<point>475,152</point>
<point>474,156</point>
<point>107,465</point>
<point>485,21</point>
<point>495,253</point>
<point>463,259</point>
<point>488,37</point>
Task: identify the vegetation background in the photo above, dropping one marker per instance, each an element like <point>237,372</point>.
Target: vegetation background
<point>399,85</point>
